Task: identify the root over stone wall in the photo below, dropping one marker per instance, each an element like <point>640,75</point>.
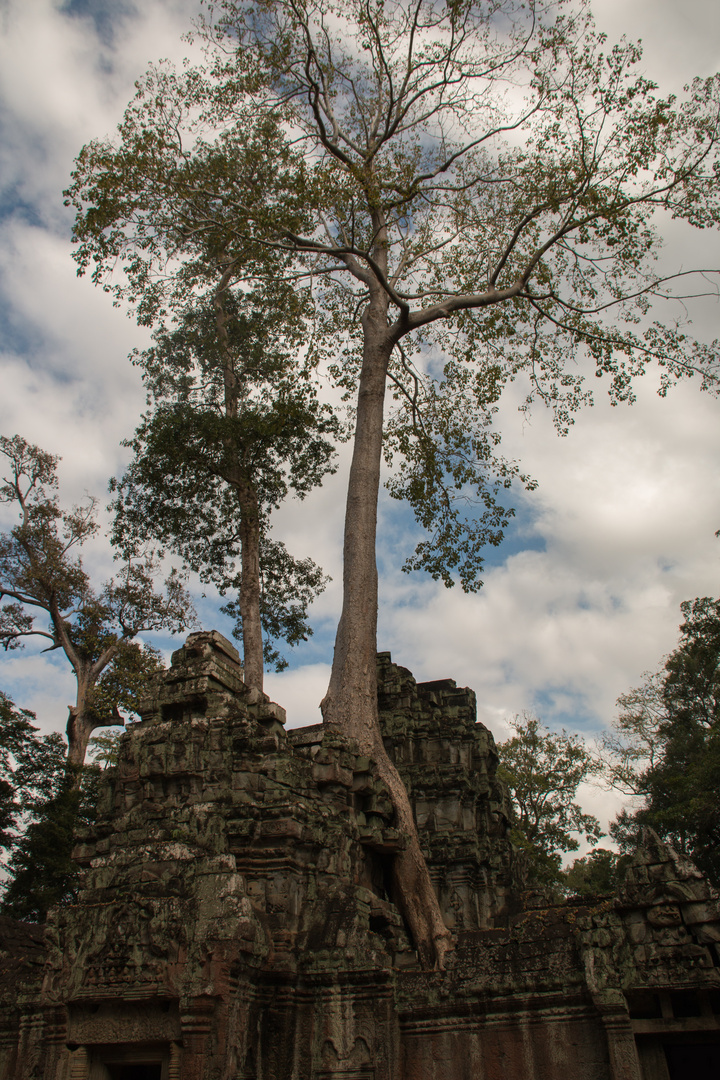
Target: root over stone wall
<point>236,919</point>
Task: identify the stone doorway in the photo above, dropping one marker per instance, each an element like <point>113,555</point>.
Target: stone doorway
<point>693,1061</point>
<point>124,1063</point>
<point>139,1071</point>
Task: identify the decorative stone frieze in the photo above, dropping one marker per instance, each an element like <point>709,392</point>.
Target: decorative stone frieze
<point>236,918</point>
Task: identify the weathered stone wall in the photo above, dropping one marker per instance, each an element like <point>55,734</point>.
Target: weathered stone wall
<point>235,919</point>
<point>448,762</point>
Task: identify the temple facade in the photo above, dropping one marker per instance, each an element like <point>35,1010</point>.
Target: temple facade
<point>236,919</point>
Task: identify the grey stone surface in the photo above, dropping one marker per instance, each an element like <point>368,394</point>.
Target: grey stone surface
<point>236,919</point>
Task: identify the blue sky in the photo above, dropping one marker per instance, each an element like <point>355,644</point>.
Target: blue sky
<point>584,594</point>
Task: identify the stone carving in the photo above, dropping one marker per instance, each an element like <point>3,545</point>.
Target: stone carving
<point>236,918</point>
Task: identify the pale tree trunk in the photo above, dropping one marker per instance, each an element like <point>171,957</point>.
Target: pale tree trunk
<point>249,594</point>
<point>80,725</point>
<point>249,598</point>
<point>351,701</point>
<point>81,719</point>
<point>79,730</point>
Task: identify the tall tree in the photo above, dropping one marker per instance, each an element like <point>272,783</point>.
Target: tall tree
<point>31,767</point>
<point>634,745</point>
<point>543,771</point>
<point>41,573</point>
<point>234,425</point>
<point>678,777</point>
<point>480,181</point>
<point>36,793</point>
<point>597,873</point>
<point>42,802</point>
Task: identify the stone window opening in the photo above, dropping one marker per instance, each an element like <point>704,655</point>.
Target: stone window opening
<point>130,1063</point>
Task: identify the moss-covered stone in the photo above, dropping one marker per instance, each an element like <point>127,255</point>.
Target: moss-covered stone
<point>236,918</point>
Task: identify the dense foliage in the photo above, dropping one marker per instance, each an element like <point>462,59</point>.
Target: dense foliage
<point>595,874</point>
<point>41,806</point>
<point>235,425</point>
<point>31,767</point>
<point>33,794</point>
<point>667,749</point>
<point>41,574</point>
<point>543,771</point>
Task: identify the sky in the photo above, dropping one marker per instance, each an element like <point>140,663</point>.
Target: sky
<point>583,596</point>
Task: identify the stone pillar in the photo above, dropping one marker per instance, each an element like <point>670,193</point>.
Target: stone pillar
<point>79,1064</point>
<point>622,1050</point>
<point>56,1055</point>
<point>175,1061</point>
<point>30,1046</point>
<point>196,1022</point>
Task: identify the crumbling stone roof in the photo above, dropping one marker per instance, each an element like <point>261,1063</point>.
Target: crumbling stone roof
<point>236,915</point>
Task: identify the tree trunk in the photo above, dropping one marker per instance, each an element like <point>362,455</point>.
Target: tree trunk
<point>79,730</point>
<point>249,598</point>
<point>81,721</point>
<point>351,701</point>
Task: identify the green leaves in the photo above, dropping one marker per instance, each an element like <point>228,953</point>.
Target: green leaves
<point>287,588</point>
<point>596,874</point>
<point>667,746</point>
<point>42,871</point>
<point>349,151</point>
<point>176,198</point>
<point>443,443</point>
<point>543,771</point>
<point>40,572</point>
<point>31,769</point>
<point>236,425</point>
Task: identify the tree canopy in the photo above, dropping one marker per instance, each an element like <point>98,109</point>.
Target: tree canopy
<point>678,776</point>
<point>41,574</point>
<point>595,874</point>
<point>31,767</point>
<point>34,793</point>
<point>235,424</point>
<point>543,771</point>
<point>468,192</point>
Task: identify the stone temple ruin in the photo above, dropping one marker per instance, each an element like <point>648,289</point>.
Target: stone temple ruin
<point>235,920</point>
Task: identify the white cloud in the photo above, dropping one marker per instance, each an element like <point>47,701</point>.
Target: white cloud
<point>627,504</point>
<point>679,40</point>
<point>40,683</point>
<point>300,692</point>
<point>627,507</point>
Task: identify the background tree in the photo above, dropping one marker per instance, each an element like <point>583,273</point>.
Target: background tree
<point>41,572</point>
<point>34,787</point>
<point>235,424</point>
<point>41,870</point>
<point>543,771</point>
<point>595,874</point>
<point>30,768</point>
<point>635,744</point>
<point>488,255</point>
<point>678,777</point>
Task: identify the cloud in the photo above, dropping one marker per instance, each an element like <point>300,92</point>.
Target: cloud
<point>300,692</point>
<point>42,683</point>
<point>676,40</point>
<point>627,506</point>
<point>585,595</point>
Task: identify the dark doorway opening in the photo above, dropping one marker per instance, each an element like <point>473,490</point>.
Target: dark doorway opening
<point>693,1061</point>
<point>137,1070</point>
<point>130,1063</point>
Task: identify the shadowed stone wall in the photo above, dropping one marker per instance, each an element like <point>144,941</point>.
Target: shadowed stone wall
<point>235,919</point>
